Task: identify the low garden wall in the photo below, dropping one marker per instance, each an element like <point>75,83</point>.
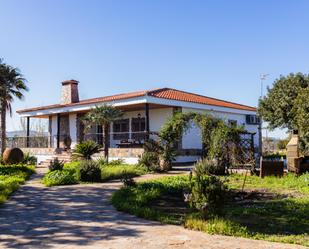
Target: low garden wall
<point>128,155</point>
<point>42,154</point>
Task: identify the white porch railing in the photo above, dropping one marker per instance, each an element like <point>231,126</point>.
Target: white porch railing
<point>117,139</point>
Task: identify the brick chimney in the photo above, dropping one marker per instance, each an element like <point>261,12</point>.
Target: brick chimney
<point>69,92</point>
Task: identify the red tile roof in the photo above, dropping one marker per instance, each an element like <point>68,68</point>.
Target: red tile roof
<point>173,94</point>
<point>163,93</point>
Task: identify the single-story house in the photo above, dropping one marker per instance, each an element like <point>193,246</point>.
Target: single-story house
<point>144,114</point>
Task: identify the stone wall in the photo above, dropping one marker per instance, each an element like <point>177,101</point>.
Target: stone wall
<point>125,152</point>
<point>39,151</point>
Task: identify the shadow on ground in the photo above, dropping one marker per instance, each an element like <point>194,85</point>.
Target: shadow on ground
<point>39,217</point>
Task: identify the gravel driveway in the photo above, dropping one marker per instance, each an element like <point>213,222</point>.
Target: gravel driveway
<point>80,216</point>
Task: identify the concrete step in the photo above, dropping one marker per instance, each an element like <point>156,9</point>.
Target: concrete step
<point>64,157</point>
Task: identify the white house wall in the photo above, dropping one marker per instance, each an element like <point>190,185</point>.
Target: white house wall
<point>158,117</point>
<point>192,138</point>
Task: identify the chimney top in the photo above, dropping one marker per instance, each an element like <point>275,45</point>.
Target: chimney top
<point>69,82</point>
<point>69,92</point>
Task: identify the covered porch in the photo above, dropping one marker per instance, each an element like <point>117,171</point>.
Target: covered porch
<point>126,136</point>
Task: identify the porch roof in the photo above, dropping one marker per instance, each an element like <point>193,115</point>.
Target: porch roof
<point>161,96</point>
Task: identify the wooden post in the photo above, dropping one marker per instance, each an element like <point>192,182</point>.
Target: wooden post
<point>147,121</point>
<point>28,133</point>
<point>58,130</point>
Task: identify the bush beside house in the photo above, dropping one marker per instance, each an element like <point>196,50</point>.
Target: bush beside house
<point>11,177</point>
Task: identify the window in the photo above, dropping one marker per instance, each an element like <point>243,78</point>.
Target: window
<point>252,119</point>
<point>138,128</point>
<point>121,129</point>
<point>232,123</point>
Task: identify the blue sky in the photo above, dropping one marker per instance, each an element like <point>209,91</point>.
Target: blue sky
<point>215,48</point>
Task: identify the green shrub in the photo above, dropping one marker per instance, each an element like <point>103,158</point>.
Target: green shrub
<point>207,166</point>
<point>158,155</point>
<point>102,160</point>
<point>73,167</point>
<point>18,170</point>
<point>207,195</point>
<point>89,171</point>
<point>55,165</point>
<point>29,159</point>
<point>275,156</point>
<point>11,177</point>
<point>150,160</point>
<point>59,177</point>
<point>127,179</point>
<point>86,149</point>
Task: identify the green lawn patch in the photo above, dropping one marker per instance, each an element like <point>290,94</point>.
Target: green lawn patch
<point>70,174</point>
<point>11,177</point>
<point>273,209</point>
<point>111,172</point>
<point>287,183</point>
<point>60,177</point>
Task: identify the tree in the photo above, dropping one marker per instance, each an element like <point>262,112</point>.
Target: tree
<point>102,115</point>
<point>278,106</point>
<point>286,106</point>
<point>12,85</point>
<point>281,144</point>
<point>301,108</point>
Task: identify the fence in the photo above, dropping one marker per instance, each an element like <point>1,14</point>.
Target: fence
<point>31,142</point>
<point>242,152</point>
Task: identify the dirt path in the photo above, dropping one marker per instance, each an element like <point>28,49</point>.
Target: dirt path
<point>81,216</point>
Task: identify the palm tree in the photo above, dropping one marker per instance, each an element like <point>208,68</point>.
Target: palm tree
<point>12,85</point>
<point>102,115</point>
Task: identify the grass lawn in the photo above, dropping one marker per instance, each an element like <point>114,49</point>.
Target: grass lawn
<point>11,177</point>
<point>274,209</point>
<point>110,172</point>
<point>70,173</point>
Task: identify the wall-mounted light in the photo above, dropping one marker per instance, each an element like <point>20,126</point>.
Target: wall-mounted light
<point>139,115</point>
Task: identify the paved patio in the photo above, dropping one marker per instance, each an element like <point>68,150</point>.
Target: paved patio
<point>80,216</point>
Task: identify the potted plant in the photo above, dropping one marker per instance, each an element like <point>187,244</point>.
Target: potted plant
<point>67,141</point>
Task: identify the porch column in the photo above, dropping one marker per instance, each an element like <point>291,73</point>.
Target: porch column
<point>28,132</point>
<point>58,130</point>
<point>73,129</point>
<point>147,120</point>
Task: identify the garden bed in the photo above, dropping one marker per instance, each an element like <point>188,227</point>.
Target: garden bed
<point>70,174</point>
<point>274,209</point>
<point>11,177</point>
